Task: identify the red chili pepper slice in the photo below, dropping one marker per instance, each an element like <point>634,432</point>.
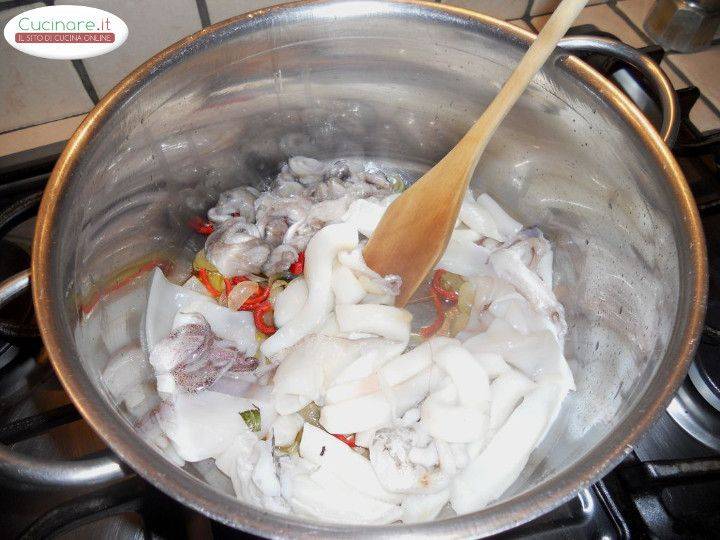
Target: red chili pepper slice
<point>90,305</point>
<point>349,440</point>
<point>205,280</point>
<point>259,318</point>
<point>427,331</point>
<point>165,266</point>
<point>256,299</point>
<point>298,266</point>
<point>201,226</point>
<point>450,296</point>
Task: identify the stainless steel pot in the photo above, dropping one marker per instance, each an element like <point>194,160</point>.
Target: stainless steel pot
<point>398,83</point>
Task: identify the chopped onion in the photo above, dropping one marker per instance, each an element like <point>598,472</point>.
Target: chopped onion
<point>240,293</point>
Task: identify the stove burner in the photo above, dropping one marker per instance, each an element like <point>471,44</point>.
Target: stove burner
<point>14,260</point>
<point>695,415</point>
<point>705,371</point>
<point>16,319</point>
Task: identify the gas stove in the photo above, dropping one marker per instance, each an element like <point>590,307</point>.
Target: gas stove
<point>668,486</point>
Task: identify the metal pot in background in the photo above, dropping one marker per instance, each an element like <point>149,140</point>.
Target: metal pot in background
<point>683,25</point>
<point>397,83</point>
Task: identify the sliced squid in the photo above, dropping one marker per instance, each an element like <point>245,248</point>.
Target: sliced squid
<point>374,283</point>
<point>408,394</point>
<point>321,448</point>
<point>406,365</point>
<point>452,420</point>
<point>448,420</point>
<point>326,497</point>
<point>372,411</point>
<point>508,265</point>
<point>352,389</point>
<point>166,299</point>
<point>470,379</point>
<point>203,425</point>
<point>492,363</point>
<point>465,257</point>
<point>506,225</point>
<point>535,252</point>
<point>479,219</point>
<point>365,215</point>
<point>390,458</point>
<point>250,465</point>
<point>290,403</point>
<point>319,258</point>
<point>300,376</point>
<point>346,287</point>
<point>425,507</point>
<point>373,353</point>
<point>500,463</point>
<point>505,393</point>
<point>517,313</point>
<point>290,301</point>
<point>125,374</point>
<point>364,438</point>
<point>386,321</point>
<point>537,354</point>
<point>120,313</point>
<point>312,364</point>
<point>195,285</point>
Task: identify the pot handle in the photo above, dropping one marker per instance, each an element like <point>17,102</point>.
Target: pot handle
<point>643,63</point>
<point>23,469</point>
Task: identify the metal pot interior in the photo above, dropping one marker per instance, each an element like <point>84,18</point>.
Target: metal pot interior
<point>398,84</point>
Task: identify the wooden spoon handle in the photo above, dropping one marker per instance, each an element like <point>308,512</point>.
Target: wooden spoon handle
<point>555,28</point>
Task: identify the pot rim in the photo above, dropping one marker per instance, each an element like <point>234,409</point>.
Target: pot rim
<point>124,441</point>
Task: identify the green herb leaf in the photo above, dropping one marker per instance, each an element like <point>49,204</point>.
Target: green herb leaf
<point>252,419</point>
<point>311,413</point>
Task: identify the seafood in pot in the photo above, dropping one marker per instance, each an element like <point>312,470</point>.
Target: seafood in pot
<point>284,360</point>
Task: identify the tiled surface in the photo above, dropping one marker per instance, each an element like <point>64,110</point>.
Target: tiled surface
<point>704,118</point>
<point>703,70</point>
<point>676,78</point>
<point>153,26</point>
<point>604,18</point>
<point>219,10</point>
<point>637,10</point>
<point>35,90</point>
<point>541,7</point>
<point>522,24</point>
<point>501,9</point>
<point>37,136</point>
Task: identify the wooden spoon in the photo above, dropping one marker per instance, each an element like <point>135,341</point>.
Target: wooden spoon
<point>416,228</point>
